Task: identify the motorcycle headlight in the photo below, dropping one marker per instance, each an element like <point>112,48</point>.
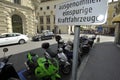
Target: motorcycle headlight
<point>2,64</point>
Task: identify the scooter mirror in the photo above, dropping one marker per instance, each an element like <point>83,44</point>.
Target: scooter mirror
<point>5,50</point>
<point>57,38</point>
<point>45,45</point>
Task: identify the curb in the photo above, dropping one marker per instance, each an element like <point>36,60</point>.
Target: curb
<point>118,45</point>
<point>81,68</point>
<point>83,64</point>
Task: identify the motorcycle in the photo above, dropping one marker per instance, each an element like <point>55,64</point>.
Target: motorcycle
<point>65,66</point>
<point>7,71</point>
<point>43,68</point>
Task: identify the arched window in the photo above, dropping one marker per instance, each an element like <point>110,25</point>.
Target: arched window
<point>17,1</point>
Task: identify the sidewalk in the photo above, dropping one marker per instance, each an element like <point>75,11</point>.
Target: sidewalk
<point>103,63</point>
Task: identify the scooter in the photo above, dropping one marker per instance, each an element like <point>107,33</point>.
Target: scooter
<point>84,45</point>
<point>86,40</point>
<point>65,66</point>
<point>91,40</point>
<point>68,50</point>
<point>7,71</point>
<point>43,68</point>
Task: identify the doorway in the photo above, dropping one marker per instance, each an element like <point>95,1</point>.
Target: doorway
<point>17,24</point>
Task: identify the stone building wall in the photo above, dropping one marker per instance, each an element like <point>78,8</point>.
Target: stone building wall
<point>26,13</point>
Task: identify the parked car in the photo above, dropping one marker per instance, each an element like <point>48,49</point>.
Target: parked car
<point>12,38</point>
<point>46,34</point>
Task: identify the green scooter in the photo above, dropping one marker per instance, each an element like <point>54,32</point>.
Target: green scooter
<point>42,67</point>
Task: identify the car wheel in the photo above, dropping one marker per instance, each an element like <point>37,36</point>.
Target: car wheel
<point>22,41</point>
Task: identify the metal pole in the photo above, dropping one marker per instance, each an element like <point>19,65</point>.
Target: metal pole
<point>75,52</point>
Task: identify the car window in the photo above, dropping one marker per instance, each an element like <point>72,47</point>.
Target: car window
<point>17,34</point>
<point>2,36</point>
<point>9,35</point>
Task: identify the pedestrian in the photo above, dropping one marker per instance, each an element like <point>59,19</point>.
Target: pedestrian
<point>59,31</point>
<point>53,30</point>
<point>98,39</point>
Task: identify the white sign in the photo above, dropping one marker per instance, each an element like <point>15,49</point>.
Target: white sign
<point>81,12</point>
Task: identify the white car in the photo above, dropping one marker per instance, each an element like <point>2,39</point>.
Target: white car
<point>12,38</point>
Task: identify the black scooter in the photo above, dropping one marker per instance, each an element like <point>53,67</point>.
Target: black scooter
<point>7,71</point>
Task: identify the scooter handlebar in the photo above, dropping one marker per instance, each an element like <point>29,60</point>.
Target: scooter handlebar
<point>6,59</point>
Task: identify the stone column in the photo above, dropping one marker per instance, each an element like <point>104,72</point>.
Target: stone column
<point>119,34</point>
<point>69,31</point>
<point>9,24</point>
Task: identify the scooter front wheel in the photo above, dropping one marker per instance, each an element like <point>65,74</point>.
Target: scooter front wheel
<point>52,79</point>
<point>13,78</point>
<point>58,79</point>
<point>66,70</point>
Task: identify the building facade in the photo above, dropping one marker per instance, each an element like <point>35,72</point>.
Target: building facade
<point>116,20</point>
<point>109,26</point>
<point>32,16</point>
<point>46,17</point>
<point>17,16</point>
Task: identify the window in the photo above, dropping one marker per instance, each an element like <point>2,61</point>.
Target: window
<point>37,15</point>
<point>70,28</point>
<point>17,1</point>
<point>42,28</point>
<point>9,35</point>
<point>48,27</point>
<point>48,19</point>
<point>54,6</point>
<point>51,12</point>
<point>41,20</point>
<point>2,36</point>
<point>54,19</point>
<point>113,14</point>
<point>48,7</point>
<point>41,8</point>
<point>44,13</point>
<point>17,34</point>
<point>45,0</point>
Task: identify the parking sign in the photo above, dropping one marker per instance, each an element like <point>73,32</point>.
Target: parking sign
<point>82,12</point>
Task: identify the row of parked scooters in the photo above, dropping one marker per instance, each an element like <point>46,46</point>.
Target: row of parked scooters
<point>49,66</point>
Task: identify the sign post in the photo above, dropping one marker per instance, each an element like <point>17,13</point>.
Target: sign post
<point>80,12</point>
<point>75,52</point>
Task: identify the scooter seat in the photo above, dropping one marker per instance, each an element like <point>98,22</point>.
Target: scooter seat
<point>51,53</point>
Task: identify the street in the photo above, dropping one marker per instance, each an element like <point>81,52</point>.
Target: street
<point>95,56</point>
<point>30,45</point>
<point>103,63</point>
<point>15,49</point>
<point>19,52</point>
